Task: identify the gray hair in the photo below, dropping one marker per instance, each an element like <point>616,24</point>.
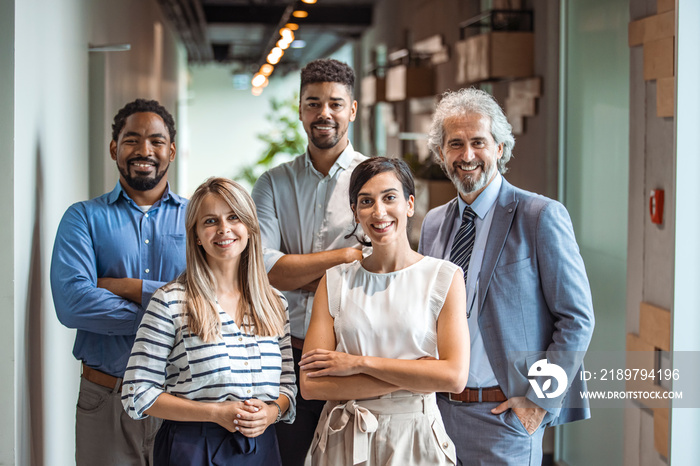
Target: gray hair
<point>471,100</point>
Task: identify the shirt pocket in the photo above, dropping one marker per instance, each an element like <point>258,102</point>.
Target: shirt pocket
<point>171,254</point>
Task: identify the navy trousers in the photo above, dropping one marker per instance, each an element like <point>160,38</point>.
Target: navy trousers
<point>207,443</point>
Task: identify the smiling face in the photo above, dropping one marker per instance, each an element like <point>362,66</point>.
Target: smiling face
<point>220,232</point>
<point>382,210</point>
<point>326,110</point>
<point>470,153</point>
<point>143,152</point>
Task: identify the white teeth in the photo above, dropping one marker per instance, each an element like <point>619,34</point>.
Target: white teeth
<point>143,165</point>
<point>224,243</point>
<point>324,128</point>
<point>468,167</point>
<point>381,226</point>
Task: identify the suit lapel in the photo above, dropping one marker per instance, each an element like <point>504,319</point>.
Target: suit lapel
<point>446,230</point>
<point>503,215</point>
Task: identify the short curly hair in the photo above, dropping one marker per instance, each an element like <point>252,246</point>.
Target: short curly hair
<point>328,70</point>
<point>138,106</point>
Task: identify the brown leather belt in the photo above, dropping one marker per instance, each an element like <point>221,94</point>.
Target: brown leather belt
<point>298,343</point>
<point>100,378</point>
<point>478,395</point>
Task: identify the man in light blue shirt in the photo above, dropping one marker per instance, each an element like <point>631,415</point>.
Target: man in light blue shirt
<point>111,253</point>
<point>528,298</point>
<point>305,219</point>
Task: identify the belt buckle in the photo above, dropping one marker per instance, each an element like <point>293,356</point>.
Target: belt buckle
<point>449,396</point>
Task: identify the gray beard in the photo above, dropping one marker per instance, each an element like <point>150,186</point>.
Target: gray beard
<point>468,184</point>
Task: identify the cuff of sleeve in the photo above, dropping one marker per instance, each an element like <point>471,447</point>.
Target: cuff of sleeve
<point>270,257</point>
<point>291,413</point>
<point>136,403</point>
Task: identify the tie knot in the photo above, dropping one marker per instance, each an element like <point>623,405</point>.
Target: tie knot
<point>468,214</point>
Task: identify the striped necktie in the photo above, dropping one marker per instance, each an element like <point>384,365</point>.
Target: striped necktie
<point>463,243</point>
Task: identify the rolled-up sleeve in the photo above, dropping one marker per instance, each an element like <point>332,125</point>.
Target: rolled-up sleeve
<point>264,197</point>
<point>145,376</point>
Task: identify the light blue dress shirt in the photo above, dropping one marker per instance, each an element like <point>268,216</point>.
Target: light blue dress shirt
<point>480,371</point>
<point>110,236</point>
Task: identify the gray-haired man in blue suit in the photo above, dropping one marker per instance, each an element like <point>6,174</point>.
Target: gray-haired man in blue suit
<point>528,298</point>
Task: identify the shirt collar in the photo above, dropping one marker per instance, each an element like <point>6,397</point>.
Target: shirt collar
<point>484,201</point>
<point>119,190</point>
<point>343,161</point>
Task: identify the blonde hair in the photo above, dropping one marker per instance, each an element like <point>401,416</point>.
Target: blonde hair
<point>261,306</point>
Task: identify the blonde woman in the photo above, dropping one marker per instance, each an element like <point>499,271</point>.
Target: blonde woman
<point>212,356</point>
<point>385,334</point>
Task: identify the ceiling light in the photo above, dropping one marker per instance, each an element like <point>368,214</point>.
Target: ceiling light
<point>283,44</point>
<point>273,59</point>
<point>300,14</point>
<point>256,91</point>
<point>310,2</point>
<point>266,69</point>
<point>287,34</point>
<point>258,80</point>
<point>292,26</point>
<point>298,44</point>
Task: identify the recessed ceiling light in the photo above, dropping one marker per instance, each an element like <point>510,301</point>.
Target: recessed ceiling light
<point>298,44</point>
<point>300,14</point>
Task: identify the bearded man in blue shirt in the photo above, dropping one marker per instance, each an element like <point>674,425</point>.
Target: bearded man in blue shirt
<point>111,253</point>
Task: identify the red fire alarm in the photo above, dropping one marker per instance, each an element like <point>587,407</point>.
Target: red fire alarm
<point>656,206</point>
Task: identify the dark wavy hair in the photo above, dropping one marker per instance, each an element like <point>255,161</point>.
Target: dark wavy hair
<point>372,167</point>
<point>138,106</point>
<point>328,70</point>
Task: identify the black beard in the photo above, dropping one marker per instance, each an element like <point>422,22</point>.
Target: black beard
<point>142,183</point>
<point>326,143</point>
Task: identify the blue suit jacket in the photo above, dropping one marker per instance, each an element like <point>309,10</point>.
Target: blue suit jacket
<point>535,301</point>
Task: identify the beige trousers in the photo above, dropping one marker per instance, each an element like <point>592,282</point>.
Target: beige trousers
<point>399,429</point>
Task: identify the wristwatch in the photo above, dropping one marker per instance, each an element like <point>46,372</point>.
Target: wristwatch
<point>279,411</point>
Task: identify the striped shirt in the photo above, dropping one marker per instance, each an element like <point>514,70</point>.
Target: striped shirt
<point>167,358</point>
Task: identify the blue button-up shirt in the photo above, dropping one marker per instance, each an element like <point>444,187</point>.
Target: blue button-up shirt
<point>110,236</point>
<point>480,371</point>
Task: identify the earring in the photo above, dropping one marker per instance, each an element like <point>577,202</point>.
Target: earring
<point>199,242</point>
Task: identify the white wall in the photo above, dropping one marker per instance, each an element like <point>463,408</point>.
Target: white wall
<point>51,160</point>
<point>7,364</point>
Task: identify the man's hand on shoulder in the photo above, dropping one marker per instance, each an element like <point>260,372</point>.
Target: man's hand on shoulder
<point>303,271</point>
<point>529,413</point>
<point>127,288</point>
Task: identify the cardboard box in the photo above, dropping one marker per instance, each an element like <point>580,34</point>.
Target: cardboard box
<point>403,82</point>
<point>661,431</point>
<point>665,97</point>
<point>658,59</point>
<point>655,326</point>
<point>659,26</point>
<point>635,32</point>
<point>665,5</point>
<point>531,87</point>
<point>373,90</point>
<point>496,55</point>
